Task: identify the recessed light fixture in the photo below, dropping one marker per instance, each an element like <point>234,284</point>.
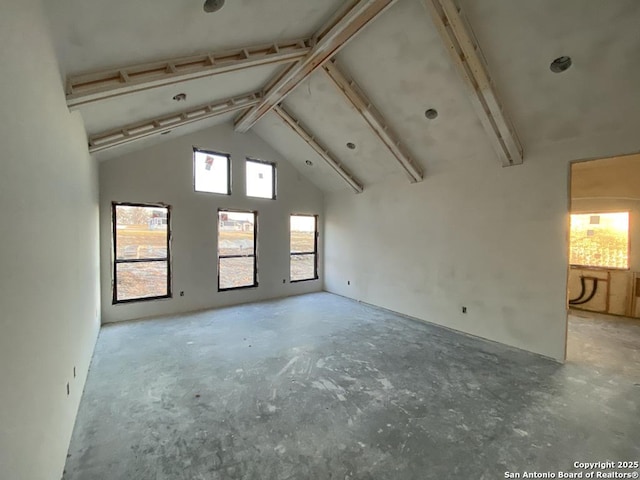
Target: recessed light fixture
<point>351,146</point>
<point>181,97</point>
<point>211,6</point>
<point>309,163</point>
<point>560,64</point>
<point>431,113</point>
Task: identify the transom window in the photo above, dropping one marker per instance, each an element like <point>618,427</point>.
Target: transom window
<point>237,267</point>
<point>600,240</point>
<point>211,172</point>
<point>141,244</point>
<point>304,248</point>
<point>261,179</point>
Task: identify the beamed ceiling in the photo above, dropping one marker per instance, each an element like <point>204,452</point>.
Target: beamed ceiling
<point>309,77</point>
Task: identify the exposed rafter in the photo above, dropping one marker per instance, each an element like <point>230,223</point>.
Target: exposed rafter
<point>136,131</point>
<point>320,150</point>
<point>466,53</point>
<point>328,41</point>
<point>93,87</point>
<point>374,118</point>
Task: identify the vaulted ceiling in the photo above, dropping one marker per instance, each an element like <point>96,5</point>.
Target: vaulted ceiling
<point>402,58</point>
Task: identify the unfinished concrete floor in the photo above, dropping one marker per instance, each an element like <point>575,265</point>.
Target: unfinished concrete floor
<point>321,387</point>
<point>604,342</point>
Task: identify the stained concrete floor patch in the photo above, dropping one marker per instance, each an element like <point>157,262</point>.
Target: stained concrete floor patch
<point>319,386</point>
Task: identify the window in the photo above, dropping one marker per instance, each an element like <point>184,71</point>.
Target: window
<point>261,179</point>
<point>600,240</point>
<point>211,172</point>
<point>236,250</point>
<point>304,248</point>
<point>141,245</point>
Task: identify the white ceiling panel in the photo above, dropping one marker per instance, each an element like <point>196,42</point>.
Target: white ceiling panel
<point>94,35</point>
<point>135,107</point>
<point>403,67</point>
<point>598,94</point>
<point>324,111</point>
<point>296,151</point>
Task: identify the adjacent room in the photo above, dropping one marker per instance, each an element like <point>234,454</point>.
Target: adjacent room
<point>604,258</point>
<point>348,239</point>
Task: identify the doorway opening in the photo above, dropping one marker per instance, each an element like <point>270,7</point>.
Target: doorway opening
<point>603,286</point>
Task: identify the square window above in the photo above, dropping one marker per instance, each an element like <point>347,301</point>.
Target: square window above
<point>211,172</point>
<point>261,179</point>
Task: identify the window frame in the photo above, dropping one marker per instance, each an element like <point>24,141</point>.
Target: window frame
<point>116,261</point>
<point>218,154</point>
<point>255,249</point>
<point>596,267</point>
<point>315,248</point>
<point>274,182</point>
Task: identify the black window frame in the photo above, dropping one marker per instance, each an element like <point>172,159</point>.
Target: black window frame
<point>218,154</point>
<point>116,261</point>
<point>316,236</point>
<point>274,182</point>
<point>255,249</point>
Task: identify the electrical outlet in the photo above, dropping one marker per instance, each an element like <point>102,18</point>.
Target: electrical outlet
<point>67,389</point>
<point>348,282</point>
<point>284,280</point>
<point>182,293</point>
<point>464,309</point>
<point>74,372</point>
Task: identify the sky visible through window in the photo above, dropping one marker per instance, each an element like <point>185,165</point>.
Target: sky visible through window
<point>211,172</point>
<point>260,180</point>
<point>300,223</point>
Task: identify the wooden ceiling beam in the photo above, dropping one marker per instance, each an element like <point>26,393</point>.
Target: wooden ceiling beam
<point>136,131</point>
<point>467,56</point>
<point>295,125</point>
<point>327,42</point>
<point>97,86</point>
<point>374,119</point>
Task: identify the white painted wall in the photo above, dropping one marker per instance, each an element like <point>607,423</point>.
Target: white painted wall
<point>474,234</point>
<point>49,294</point>
<point>164,173</point>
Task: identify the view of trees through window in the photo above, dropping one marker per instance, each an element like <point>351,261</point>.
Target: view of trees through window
<point>304,248</point>
<point>600,240</point>
<point>236,250</point>
<point>141,264</point>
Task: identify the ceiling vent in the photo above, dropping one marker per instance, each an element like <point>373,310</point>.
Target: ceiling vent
<point>560,64</point>
<point>431,113</point>
<point>211,6</point>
